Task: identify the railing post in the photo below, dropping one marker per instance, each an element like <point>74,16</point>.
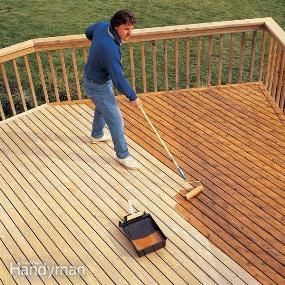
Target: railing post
<point>165,65</point>
<point>42,77</point>
<point>154,65</point>
<point>272,67</point>
<point>281,79</point>
<point>75,69</point>
<point>133,77</point>
<point>54,80</point>
<point>3,117</point>
<point>31,83</point>
<point>176,64</point>
<point>231,59</point>
<point>260,74</point>
<point>242,45</point>
<point>268,62</point>
<point>276,72</point>
<point>220,60</point>
<point>16,71</point>
<point>143,67</point>
<point>210,47</point>
<point>252,55</point>
<point>64,75</point>
<point>187,63</point>
<point>198,71</point>
<point>8,90</point>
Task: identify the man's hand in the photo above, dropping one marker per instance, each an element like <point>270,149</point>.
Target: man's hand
<point>135,103</point>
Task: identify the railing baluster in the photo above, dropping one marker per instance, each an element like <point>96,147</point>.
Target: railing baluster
<point>232,50</point>
<point>53,76</point>
<point>165,57</point>
<point>23,99</point>
<point>220,60</point>
<point>198,74</point>
<point>42,77</point>
<point>273,66</point>
<point>143,68</point>
<point>64,75</point>
<point>76,73</point>
<point>154,65</point>
<point>210,51</point>
<point>8,90</point>
<point>241,57</point>
<point>270,72</point>
<point>252,55</point>
<point>268,62</point>
<point>31,82</point>
<point>282,97</point>
<point>187,63</point>
<point>133,76</point>
<point>85,55</point>
<point>276,71</point>
<point>176,64</point>
<point>281,78</point>
<point>2,112</point>
<point>264,37</point>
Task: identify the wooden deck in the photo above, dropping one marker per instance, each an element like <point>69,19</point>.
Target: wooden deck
<point>61,198</point>
<point>233,140</point>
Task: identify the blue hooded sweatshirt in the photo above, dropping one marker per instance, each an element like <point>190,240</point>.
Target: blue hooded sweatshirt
<point>104,60</point>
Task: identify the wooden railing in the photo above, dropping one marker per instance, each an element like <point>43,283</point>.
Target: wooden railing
<point>50,69</point>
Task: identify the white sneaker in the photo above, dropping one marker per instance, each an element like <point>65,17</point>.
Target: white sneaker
<point>106,137</point>
<point>128,162</point>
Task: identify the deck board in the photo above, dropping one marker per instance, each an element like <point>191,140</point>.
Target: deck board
<point>229,142</point>
<point>156,202</point>
<point>6,259</point>
<point>114,184</point>
<point>200,249</point>
<point>61,199</point>
<point>222,138</point>
<point>93,263</point>
<point>225,225</point>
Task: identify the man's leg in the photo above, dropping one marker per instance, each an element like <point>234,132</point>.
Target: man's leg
<point>98,124</point>
<point>92,90</point>
<point>108,109</point>
<point>114,121</point>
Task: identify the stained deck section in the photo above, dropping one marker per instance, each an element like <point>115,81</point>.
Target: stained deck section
<point>233,140</point>
<point>61,199</point>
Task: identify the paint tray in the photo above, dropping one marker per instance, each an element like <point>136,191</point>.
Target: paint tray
<point>143,232</point>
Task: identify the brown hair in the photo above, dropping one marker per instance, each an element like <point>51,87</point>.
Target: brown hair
<point>123,17</point>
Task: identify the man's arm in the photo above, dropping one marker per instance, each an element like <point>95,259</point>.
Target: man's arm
<point>90,31</point>
<point>115,69</point>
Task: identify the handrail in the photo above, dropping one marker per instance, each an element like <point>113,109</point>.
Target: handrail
<point>275,30</point>
<point>138,35</point>
<point>194,55</point>
<point>60,42</point>
<point>179,31</point>
<point>17,50</point>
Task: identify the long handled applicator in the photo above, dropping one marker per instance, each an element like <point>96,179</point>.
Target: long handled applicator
<point>194,187</point>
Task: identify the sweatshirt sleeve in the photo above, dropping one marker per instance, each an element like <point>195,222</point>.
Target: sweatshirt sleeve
<point>90,31</point>
<point>115,69</point>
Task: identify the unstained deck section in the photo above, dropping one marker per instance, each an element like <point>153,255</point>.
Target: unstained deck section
<point>61,199</point>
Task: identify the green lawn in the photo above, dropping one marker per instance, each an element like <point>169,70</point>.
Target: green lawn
<point>24,20</point>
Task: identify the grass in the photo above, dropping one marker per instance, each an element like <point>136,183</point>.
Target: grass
<point>25,20</point>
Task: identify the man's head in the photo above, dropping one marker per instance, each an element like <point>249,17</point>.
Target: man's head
<point>123,22</point>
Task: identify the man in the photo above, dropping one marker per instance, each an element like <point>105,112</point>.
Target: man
<point>102,70</point>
